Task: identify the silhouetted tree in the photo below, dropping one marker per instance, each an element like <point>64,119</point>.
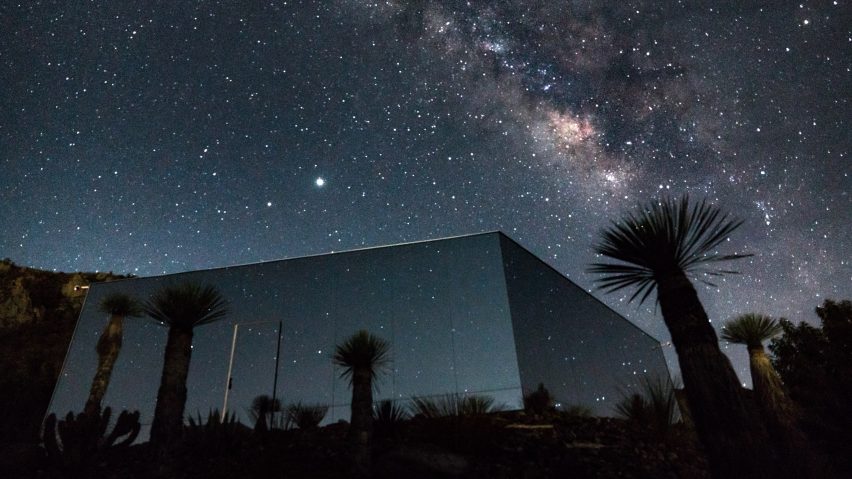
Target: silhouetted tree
<point>778,410</point>
<point>815,364</point>
<point>752,330</point>
<point>181,308</point>
<point>362,357</point>
<point>118,306</point>
<point>658,248</point>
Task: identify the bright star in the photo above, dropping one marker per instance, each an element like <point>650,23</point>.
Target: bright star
<point>320,182</point>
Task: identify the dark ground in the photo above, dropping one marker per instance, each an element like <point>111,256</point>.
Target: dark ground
<point>500,445</point>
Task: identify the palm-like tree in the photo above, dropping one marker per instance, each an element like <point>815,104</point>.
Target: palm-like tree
<point>362,357</point>
<point>659,248</point>
<point>779,412</point>
<point>752,330</point>
<point>181,308</point>
<point>118,306</point>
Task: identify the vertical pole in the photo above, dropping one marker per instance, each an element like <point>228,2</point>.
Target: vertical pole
<point>230,370</point>
<point>275,377</point>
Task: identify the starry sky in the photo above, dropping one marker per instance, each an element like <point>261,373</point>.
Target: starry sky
<point>159,137</point>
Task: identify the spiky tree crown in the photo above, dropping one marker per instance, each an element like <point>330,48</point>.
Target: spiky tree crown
<point>362,351</point>
<point>663,238</point>
<point>750,329</point>
<point>186,306</point>
<point>120,304</point>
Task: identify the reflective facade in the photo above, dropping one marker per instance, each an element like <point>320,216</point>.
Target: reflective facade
<point>471,315</point>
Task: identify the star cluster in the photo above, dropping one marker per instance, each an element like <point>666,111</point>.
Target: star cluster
<point>158,138</point>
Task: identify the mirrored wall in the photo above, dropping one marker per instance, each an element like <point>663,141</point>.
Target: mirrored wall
<point>583,352</point>
<point>441,305</point>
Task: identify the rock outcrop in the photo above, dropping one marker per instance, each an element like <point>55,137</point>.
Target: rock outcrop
<point>38,311</point>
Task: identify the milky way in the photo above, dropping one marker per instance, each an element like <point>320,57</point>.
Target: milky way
<point>166,137</point>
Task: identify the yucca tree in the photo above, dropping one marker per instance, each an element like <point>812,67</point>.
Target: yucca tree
<point>118,306</point>
<point>658,249</point>
<point>752,330</point>
<point>362,357</point>
<point>778,410</point>
<point>181,308</point>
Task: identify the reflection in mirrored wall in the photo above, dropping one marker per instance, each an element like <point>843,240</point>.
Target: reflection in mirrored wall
<point>582,351</point>
<point>469,315</point>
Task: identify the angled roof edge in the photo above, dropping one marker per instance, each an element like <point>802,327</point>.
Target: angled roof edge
<point>315,255</point>
<point>549,266</point>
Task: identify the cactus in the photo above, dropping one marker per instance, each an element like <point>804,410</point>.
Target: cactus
<point>75,442</point>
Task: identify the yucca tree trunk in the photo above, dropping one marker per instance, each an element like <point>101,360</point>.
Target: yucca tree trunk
<point>361,418</point>
<point>780,415</point>
<point>729,428</point>
<point>767,385</point>
<point>109,345</point>
<point>171,397</point>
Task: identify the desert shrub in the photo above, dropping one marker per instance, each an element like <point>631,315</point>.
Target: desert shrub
<point>654,409</point>
<point>387,417</point>
<point>262,412</point>
<point>214,434</point>
<point>306,416</point>
<point>452,405</point>
<point>389,412</point>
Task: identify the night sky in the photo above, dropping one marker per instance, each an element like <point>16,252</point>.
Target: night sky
<point>158,137</point>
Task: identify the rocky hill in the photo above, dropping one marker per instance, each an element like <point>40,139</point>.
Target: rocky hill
<point>38,311</point>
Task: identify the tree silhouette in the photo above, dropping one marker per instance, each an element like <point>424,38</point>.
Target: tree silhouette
<point>118,306</point>
<point>657,249</point>
<point>181,308</point>
<point>362,357</point>
<point>752,330</point>
<point>778,410</point>
<point>815,364</point>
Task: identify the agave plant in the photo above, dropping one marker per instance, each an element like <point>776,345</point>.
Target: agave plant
<point>658,249</point>
<point>655,408</point>
<point>389,411</point>
<point>478,404</point>
<point>262,412</point>
<point>452,405</point>
<point>306,416</point>
<point>214,435</point>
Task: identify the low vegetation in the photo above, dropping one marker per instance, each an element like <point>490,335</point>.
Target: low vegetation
<point>654,408</point>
